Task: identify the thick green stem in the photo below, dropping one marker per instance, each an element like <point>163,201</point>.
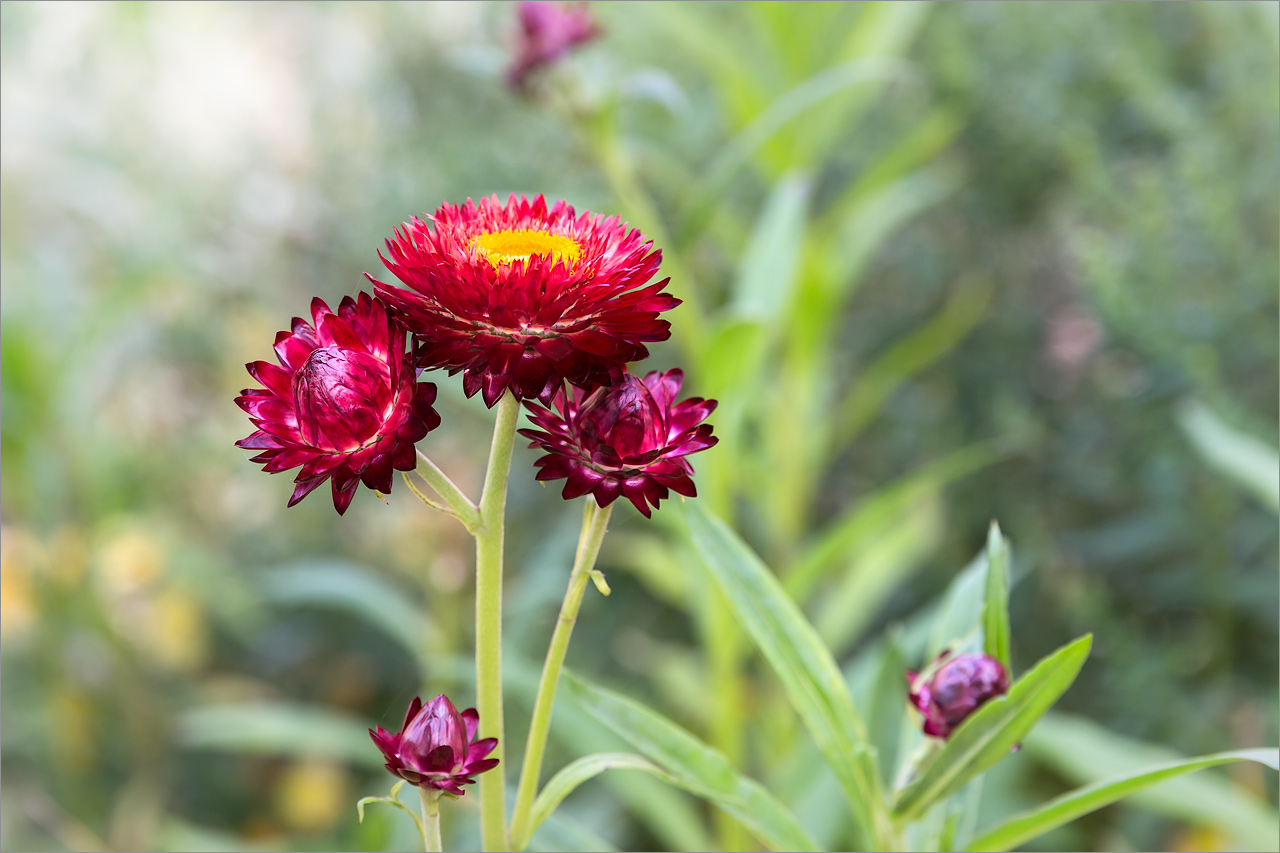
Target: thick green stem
<point>431,819</point>
<point>458,503</point>
<point>489,537</point>
<point>594,522</point>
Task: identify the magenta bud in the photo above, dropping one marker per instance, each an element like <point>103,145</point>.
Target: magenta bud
<point>436,746</point>
<point>953,688</point>
<point>630,439</point>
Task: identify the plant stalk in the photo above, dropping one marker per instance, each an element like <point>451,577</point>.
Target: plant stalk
<point>458,503</point>
<point>431,819</point>
<point>595,521</point>
<point>489,540</point>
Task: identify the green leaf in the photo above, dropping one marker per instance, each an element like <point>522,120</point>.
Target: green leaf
<point>1086,753</point>
<point>563,783</point>
<point>957,619</point>
<point>993,730</point>
<point>910,355</point>
<point>813,682</point>
<point>1246,460</point>
<point>768,270</point>
<point>692,764</point>
<point>865,522</point>
<point>995,604</point>
<point>1066,808</point>
<point>887,703</point>
<point>279,728</point>
<point>357,590</point>
<point>853,601</point>
<point>773,120</point>
<point>393,799</point>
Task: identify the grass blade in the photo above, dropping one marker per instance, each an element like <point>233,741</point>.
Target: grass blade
<point>1084,752</point>
<point>279,728</point>
<point>803,664</point>
<point>995,603</point>
<point>563,783</point>
<point>1066,808</point>
<point>691,764</point>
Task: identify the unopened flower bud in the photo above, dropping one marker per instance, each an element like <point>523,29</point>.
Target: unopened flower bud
<point>953,688</point>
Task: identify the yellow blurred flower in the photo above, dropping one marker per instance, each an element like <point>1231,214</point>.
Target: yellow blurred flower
<point>130,562</point>
<point>1193,839</point>
<point>18,610</point>
<point>312,795</point>
<point>174,633</point>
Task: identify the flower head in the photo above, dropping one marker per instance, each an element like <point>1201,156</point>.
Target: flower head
<point>344,403</point>
<point>547,32</point>
<point>436,746</point>
<point>524,297</point>
<point>628,439</point>
<point>957,686</point>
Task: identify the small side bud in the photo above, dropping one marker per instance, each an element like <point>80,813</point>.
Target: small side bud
<point>597,577</point>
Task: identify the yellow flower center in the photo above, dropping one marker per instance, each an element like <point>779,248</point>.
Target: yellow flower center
<point>506,247</point>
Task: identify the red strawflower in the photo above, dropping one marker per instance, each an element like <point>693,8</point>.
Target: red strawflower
<point>344,405</point>
<point>628,439</point>
<point>521,297</point>
<point>547,32</point>
<point>955,687</point>
<point>436,746</point>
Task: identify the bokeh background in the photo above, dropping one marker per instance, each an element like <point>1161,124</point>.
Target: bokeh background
<point>943,264</point>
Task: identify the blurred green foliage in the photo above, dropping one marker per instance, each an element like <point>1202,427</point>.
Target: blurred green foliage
<point>941,265</point>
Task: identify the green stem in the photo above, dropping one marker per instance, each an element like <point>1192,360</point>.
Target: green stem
<point>431,819</point>
<point>594,522</point>
<point>459,504</point>
<point>489,537</point>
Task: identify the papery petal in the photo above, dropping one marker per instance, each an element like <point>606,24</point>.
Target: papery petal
<point>530,323</point>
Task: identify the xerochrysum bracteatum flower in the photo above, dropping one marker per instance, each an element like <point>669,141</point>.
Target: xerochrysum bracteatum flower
<point>629,439</point>
<point>522,297</point>
<point>953,687</point>
<point>343,404</point>
<point>436,746</point>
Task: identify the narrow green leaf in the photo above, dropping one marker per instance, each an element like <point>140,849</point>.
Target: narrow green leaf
<point>1084,752</point>
<point>1246,460</point>
<point>392,800</point>
<point>1066,808</point>
<point>993,730</point>
<point>910,355</point>
<point>864,522</point>
<point>692,764</point>
<point>357,590</point>
<point>279,728</point>
<point>875,571</point>
<point>957,620</point>
<point>995,604</point>
<point>808,673</point>
<point>563,783</point>
<point>887,703</point>
<point>768,270</point>
<point>773,120</point>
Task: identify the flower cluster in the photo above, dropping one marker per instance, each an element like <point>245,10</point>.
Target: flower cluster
<point>521,298</point>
